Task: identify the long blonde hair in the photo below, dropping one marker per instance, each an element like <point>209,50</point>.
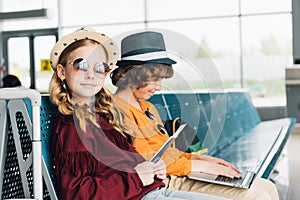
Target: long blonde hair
<point>62,97</point>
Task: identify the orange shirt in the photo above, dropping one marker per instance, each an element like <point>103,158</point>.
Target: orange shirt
<point>147,139</point>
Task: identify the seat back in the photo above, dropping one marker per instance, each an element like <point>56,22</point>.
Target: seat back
<point>49,114</point>
<point>218,118</point>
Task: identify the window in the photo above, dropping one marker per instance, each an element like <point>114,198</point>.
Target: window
<point>247,42</point>
<point>19,65</point>
<point>266,54</point>
<point>43,71</point>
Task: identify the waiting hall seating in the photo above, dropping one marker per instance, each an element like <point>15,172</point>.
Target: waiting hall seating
<point>230,127</point>
<point>227,123</point>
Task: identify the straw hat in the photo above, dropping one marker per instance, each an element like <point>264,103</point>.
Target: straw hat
<point>85,33</point>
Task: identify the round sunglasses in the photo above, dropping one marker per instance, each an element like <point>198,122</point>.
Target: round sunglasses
<point>160,127</point>
<point>83,65</point>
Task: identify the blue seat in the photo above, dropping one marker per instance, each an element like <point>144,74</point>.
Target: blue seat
<point>230,127</point>
<point>227,123</point>
<point>49,114</point>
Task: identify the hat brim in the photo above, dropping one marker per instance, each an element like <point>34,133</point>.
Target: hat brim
<point>165,61</point>
<point>85,33</point>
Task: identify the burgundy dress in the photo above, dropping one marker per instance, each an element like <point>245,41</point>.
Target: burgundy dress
<point>96,164</point>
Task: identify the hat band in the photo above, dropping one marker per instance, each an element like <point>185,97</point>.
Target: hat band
<point>147,56</point>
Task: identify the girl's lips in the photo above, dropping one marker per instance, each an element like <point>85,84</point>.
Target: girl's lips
<point>88,84</point>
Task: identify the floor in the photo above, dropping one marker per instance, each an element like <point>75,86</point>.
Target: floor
<point>287,179</point>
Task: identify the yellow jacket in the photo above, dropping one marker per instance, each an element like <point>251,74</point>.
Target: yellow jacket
<point>147,139</point>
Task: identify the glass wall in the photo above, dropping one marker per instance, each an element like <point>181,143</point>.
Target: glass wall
<point>247,42</point>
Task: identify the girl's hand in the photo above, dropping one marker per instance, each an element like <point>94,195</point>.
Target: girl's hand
<point>214,168</point>
<point>160,169</point>
<point>146,172</point>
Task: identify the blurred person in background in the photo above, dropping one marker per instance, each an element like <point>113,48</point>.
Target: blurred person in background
<point>11,81</point>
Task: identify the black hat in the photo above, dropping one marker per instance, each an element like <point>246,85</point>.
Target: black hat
<point>142,48</point>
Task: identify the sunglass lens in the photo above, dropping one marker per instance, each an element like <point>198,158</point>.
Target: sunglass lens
<point>101,67</point>
<point>81,64</point>
<point>149,115</point>
<point>162,129</point>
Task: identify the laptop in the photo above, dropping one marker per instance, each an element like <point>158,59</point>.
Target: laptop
<point>252,163</point>
<point>167,144</point>
<point>244,182</point>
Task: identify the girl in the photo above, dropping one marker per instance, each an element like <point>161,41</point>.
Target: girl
<point>91,153</point>
<point>143,66</point>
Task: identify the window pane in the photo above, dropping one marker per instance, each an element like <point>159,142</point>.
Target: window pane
<point>19,63</point>
<point>170,9</point>
<point>267,51</point>
<point>42,48</point>
<point>218,40</point>
<point>99,12</point>
<point>265,6</point>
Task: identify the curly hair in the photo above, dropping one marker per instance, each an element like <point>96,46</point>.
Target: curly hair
<point>103,104</point>
<point>140,75</point>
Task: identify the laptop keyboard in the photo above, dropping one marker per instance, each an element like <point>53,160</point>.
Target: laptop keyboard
<point>237,181</point>
<point>227,179</point>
